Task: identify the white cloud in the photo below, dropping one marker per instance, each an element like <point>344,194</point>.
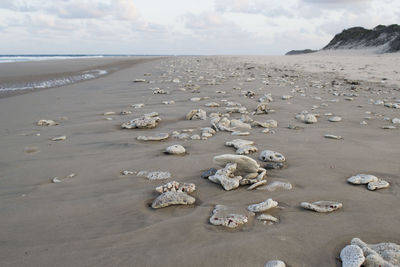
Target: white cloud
<point>183,26</point>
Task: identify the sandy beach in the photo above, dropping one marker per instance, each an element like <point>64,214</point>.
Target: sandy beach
<point>99,217</point>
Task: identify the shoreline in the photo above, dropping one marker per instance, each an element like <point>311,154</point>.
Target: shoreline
<point>26,74</point>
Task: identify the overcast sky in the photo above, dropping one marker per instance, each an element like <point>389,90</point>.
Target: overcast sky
<point>182,26</point>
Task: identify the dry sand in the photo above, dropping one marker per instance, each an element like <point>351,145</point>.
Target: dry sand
<point>101,218</point>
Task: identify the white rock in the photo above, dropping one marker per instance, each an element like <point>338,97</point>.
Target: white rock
<point>266,98</point>
<point>335,119</point>
<point>263,206</point>
<point>222,217</point>
<point>237,143</point>
<point>170,102</point>
<point>59,138</point>
<point>267,217</point>
<point>266,124</point>
<point>322,206</point>
<point>125,112</point>
<point>352,256</point>
<point>56,180</point>
<point>175,150</point>
<point>46,123</point>
<point>331,136</point>
<point>257,184</point>
<point>196,114</point>
<point>389,127</point>
<point>271,156</point>
<point>275,263</point>
<point>245,150</point>
<point>155,175</point>
<point>108,113</point>
<point>157,137</point>
<point>382,254</point>
<point>172,198</point>
<point>139,105</point>
<point>245,164</point>
<point>279,185</point>
<point>176,186</point>
<point>195,137</point>
<point>127,172</point>
<point>396,121</point>
<point>226,177</point>
<point>307,118</point>
<point>362,179</point>
<point>212,105</point>
<point>142,122</point>
<point>237,133</point>
<point>239,124</point>
<point>380,184</point>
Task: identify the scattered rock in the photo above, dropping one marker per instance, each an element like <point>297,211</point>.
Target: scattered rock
<point>271,156</point>
<point>263,206</point>
<point>125,112</point>
<point>352,256</point>
<point>306,118</point>
<point>59,180</point>
<point>196,114</point>
<point>262,108</point>
<point>143,122</point>
<point>295,127</point>
<point>257,184</point>
<point>335,119</point>
<point>242,146</point>
<point>175,150</point>
<point>380,184</point>
<point>154,175</point>
<point>396,121</point>
<point>362,179</point>
<point>222,217</point>
<point>276,185</point>
<point>139,105</point>
<point>275,263</point>
<point>331,136</point>
<point>245,165</point>
<point>127,172</point>
<point>226,177</point>
<point>382,254</point>
<point>157,137</point>
<point>322,206</point>
<point>267,217</point>
<point>239,124</point>
<point>177,187</point>
<point>172,198</point>
<point>207,132</point>
<point>389,127</point>
<point>266,124</point>
<point>59,138</point>
<point>46,123</point>
<point>212,105</point>
<point>237,133</point>
<point>195,99</point>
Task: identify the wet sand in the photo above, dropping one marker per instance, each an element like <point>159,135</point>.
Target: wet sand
<point>100,217</point>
